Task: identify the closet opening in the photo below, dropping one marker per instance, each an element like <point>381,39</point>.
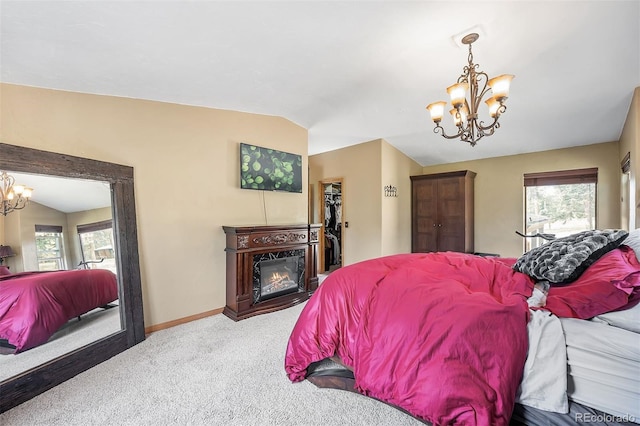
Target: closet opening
<point>331,214</point>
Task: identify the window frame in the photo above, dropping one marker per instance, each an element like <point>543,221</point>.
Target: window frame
<point>61,258</point>
<point>94,227</point>
<point>560,177</point>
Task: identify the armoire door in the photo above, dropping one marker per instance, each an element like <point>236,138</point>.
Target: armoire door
<point>425,215</point>
<point>442,212</point>
<point>451,214</point>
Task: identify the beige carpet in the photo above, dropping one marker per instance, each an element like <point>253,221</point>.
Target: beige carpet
<point>213,371</point>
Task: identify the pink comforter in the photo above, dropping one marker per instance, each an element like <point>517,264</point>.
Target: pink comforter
<point>463,342</point>
<point>34,305</point>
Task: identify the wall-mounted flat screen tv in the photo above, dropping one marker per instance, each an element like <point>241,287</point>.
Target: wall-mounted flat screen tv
<point>269,169</point>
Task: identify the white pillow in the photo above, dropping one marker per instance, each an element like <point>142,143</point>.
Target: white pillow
<point>629,319</point>
<point>633,241</point>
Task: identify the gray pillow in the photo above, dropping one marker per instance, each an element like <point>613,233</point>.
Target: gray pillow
<point>563,260</point>
<point>633,241</point>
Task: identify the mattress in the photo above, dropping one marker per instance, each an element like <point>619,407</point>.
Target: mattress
<point>603,367</point>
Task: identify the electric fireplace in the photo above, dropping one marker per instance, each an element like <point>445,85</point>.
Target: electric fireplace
<point>269,267</point>
<point>277,276</point>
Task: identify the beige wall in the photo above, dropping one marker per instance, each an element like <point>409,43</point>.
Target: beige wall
<point>185,163</point>
<point>396,211</point>
<point>377,225</point>
<point>499,194</point>
<point>630,142</point>
<point>359,167</point>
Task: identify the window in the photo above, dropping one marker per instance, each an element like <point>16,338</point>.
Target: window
<point>627,185</point>
<point>96,242</point>
<point>560,203</point>
<point>49,248</point>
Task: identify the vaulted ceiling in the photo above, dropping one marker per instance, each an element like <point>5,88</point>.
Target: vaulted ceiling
<point>348,71</point>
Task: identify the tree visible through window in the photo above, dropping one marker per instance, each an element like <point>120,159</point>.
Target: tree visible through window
<point>560,203</point>
<point>96,241</point>
<point>49,248</point>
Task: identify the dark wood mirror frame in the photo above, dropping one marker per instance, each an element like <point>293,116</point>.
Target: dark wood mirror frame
<point>30,383</point>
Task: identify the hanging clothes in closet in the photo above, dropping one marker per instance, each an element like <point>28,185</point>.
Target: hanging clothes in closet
<point>333,224</point>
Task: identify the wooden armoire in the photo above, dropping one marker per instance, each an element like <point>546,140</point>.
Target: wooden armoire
<point>442,212</point>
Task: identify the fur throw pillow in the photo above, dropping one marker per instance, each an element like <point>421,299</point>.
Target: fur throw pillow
<point>563,260</point>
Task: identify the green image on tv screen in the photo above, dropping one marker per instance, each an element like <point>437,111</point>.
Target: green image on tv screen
<point>269,169</point>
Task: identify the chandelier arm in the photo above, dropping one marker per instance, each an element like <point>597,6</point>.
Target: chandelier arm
<point>495,124</point>
<point>473,136</point>
<point>473,92</point>
<point>440,129</point>
<point>476,97</point>
<point>7,207</point>
<point>7,181</point>
<point>470,138</point>
<point>490,130</point>
<point>7,184</point>
<point>469,133</point>
<point>20,204</point>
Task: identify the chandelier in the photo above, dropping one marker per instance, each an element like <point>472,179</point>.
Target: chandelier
<point>12,196</point>
<point>465,111</point>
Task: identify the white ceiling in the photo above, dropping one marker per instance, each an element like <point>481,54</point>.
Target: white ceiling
<point>64,194</point>
<point>349,71</point>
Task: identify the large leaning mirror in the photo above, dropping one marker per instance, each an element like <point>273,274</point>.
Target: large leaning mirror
<point>67,224</point>
<point>82,228</point>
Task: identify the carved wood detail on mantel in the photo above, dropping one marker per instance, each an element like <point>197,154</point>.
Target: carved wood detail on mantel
<point>278,239</point>
<point>243,242</point>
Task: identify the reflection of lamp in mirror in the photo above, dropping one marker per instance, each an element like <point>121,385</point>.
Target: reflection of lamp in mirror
<point>12,196</point>
<point>5,251</point>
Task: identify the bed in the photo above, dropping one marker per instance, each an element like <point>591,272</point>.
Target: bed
<point>34,305</point>
<point>454,338</point>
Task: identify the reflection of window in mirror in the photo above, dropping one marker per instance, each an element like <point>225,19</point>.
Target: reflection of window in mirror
<point>96,244</point>
<point>49,248</point>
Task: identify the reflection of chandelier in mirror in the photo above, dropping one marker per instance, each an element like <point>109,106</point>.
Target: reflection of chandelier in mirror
<point>465,111</point>
<point>12,196</point>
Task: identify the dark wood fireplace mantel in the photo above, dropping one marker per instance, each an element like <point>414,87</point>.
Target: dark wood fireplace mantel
<point>244,243</point>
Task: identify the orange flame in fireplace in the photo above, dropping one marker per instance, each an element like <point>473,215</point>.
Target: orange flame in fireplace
<point>277,279</point>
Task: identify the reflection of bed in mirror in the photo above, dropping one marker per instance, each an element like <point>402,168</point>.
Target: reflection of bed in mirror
<point>34,305</point>
<point>105,228</point>
<point>73,217</point>
<point>79,213</point>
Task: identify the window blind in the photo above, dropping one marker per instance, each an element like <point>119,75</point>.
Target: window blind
<point>562,177</point>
